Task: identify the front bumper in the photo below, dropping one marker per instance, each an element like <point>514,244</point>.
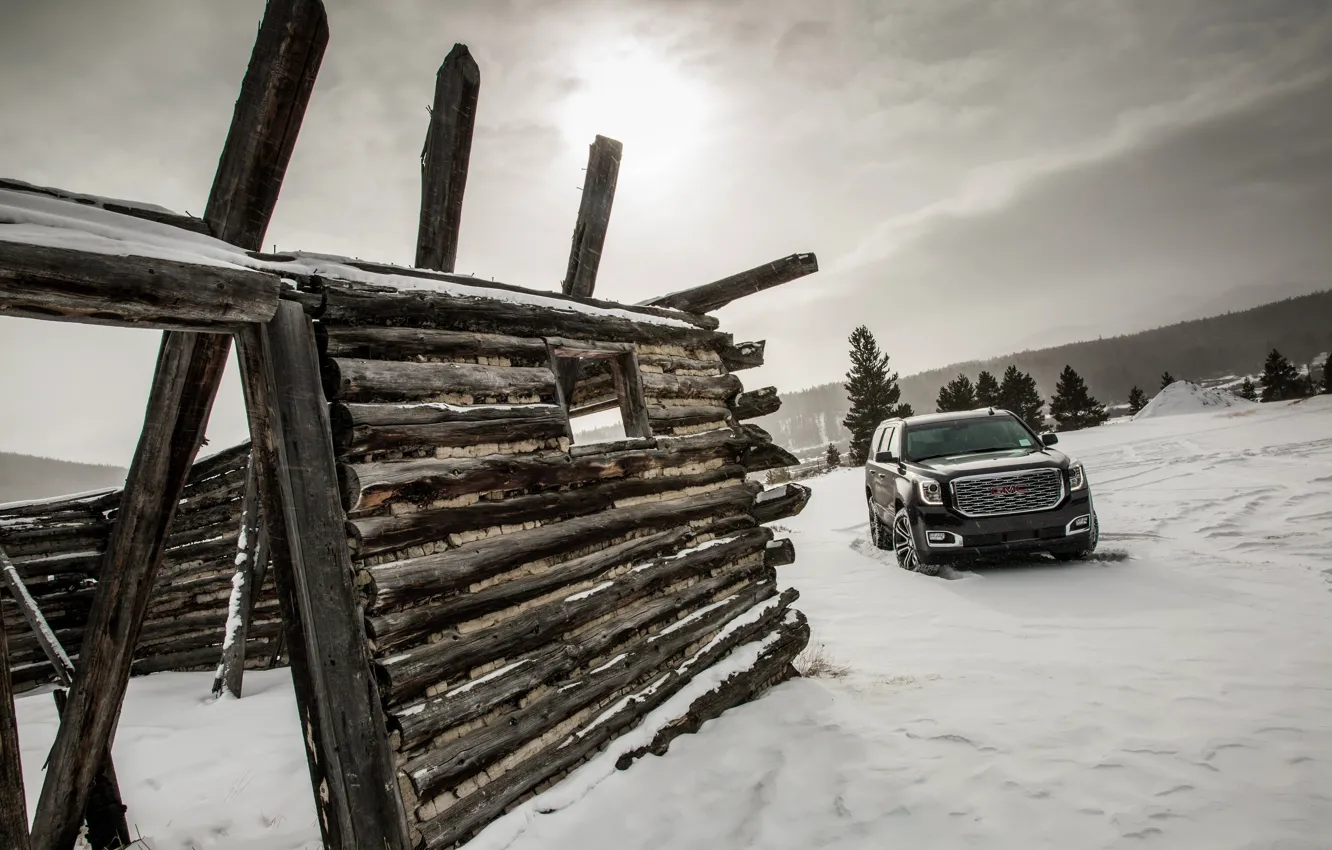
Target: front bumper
<point>1002,535</point>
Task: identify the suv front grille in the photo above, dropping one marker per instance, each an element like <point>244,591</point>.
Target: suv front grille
<point>1008,492</point>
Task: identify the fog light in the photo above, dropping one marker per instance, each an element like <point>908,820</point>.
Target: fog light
<point>1078,525</point>
<point>938,537</point>
<point>942,539</point>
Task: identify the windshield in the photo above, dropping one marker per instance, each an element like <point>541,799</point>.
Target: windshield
<point>966,436</point>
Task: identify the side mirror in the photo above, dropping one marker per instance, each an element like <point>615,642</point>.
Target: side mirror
<point>1049,439</point>
<point>884,457</point>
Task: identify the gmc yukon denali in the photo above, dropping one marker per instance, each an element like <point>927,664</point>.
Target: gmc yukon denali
<point>945,486</point>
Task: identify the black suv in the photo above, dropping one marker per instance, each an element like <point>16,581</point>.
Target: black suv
<point>949,485</point>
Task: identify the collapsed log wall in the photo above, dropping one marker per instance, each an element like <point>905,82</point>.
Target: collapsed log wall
<point>527,598</point>
<point>57,549</point>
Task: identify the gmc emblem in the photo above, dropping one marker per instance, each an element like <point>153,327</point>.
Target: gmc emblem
<point>1008,490</point>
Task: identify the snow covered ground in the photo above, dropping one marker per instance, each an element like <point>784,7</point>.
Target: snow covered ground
<point>1174,693</point>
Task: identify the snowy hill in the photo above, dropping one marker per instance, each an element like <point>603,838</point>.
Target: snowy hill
<point>1183,397</point>
<point>24,477</point>
<point>1171,693</point>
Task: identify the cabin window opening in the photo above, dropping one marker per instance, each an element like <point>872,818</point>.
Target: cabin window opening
<point>601,392</point>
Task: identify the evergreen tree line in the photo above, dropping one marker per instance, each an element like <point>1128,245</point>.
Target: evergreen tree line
<point>1072,405</point>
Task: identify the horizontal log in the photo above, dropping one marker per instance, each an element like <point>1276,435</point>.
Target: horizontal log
<point>352,304</point>
<point>387,343</point>
<point>63,284</point>
<point>475,810</point>
<point>368,486</point>
<point>721,387</point>
<point>409,673</point>
<point>671,364</point>
<point>780,502</point>
<point>438,768</point>
<point>663,417</point>
<point>756,403</point>
<point>221,547</point>
<point>765,456</point>
<point>779,553</point>
<point>184,222</point>
<point>374,535</point>
<point>544,422</point>
<point>394,380</point>
<point>403,582</point>
<point>218,462</point>
<point>392,630</point>
<point>742,355</point>
<point>774,665</point>
<point>715,295</point>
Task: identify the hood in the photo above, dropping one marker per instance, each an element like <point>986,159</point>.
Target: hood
<point>1001,461</point>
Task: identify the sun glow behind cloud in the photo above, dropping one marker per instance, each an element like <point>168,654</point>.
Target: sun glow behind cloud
<point>630,92</point>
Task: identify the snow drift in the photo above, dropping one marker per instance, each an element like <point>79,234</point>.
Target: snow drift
<point>1186,397</point>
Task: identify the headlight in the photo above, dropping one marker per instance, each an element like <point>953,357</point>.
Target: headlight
<point>931,491</point>
<point>1077,479</point>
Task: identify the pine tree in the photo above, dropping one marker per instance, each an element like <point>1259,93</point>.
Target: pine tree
<point>1166,379</point>
<point>987,390</point>
<point>1327,376</point>
<point>1281,380</point>
<point>1137,399</point>
<point>1019,395</point>
<point>1073,407</point>
<point>872,391</point>
<point>957,394</point>
<point>834,457</point>
<point>1246,390</point>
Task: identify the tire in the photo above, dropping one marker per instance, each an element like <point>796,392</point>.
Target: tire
<point>879,535</point>
<point>904,546</point>
<point>1093,538</point>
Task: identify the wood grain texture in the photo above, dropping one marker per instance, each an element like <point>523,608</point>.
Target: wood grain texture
<point>13,802</point>
<point>756,403</point>
<point>594,211</point>
<point>444,159</point>
<point>743,355</point>
<point>715,295</point>
<point>355,380</point>
<point>244,590</point>
<point>366,428</point>
<point>184,222</point>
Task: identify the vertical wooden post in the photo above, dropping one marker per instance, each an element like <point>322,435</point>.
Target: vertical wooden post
<point>444,159</point>
<point>603,169</point>
<point>13,805</point>
<point>274,94</point>
<point>629,389</point>
<point>345,730</point>
<point>231,669</point>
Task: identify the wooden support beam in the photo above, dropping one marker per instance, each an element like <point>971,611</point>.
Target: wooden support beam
<point>742,355</point>
<point>105,815</point>
<point>244,589</point>
<point>603,169</point>
<point>756,403</point>
<point>13,803</point>
<point>715,295</point>
<point>629,392</point>
<point>46,639</point>
<point>65,285</point>
<point>444,159</point>
<point>347,747</point>
<point>780,502</point>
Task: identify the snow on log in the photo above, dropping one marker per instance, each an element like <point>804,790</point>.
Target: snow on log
<point>147,212</point>
<point>779,553</point>
<point>780,502</point>
<point>742,355</point>
<point>756,403</point>
<point>67,285</point>
<point>715,295</point>
<point>444,159</point>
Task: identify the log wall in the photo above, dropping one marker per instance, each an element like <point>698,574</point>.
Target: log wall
<point>57,548</point>
<point>528,598</point>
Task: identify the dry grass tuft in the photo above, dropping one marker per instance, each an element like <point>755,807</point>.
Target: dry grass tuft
<point>815,663</point>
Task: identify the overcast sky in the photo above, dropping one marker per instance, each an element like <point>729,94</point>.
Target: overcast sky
<point>976,177</point>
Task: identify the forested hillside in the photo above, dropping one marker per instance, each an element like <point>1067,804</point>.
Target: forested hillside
<point>25,477</point>
<point>1232,343</point>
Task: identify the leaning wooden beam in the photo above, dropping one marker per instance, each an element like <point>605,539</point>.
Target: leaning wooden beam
<point>65,285</point>
<point>189,369</point>
<point>715,295</point>
<point>13,803</point>
<point>46,639</point>
<point>756,403</point>
<point>594,211</point>
<point>346,737</point>
<point>105,815</point>
<point>448,147</point>
<point>231,669</point>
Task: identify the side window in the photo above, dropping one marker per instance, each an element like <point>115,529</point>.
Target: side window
<point>886,439</point>
<point>895,442</point>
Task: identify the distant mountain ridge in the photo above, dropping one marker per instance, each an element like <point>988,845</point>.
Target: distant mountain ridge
<point>1233,343</point>
<point>26,477</point>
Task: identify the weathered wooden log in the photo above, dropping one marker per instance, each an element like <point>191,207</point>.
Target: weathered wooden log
<point>55,653</point>
<point>481,806</point>
<point>219,462</point>
<point>411,672</point>
<point>780,502</point>
<point>369,486</point>
<point>715,295</point>
<point>438,768</point>
<point>404,582</point>
<point>351,766</point>
<point>742,355</point>
<point>721,387</point>
<point>346,303</point>
<point>378,343</point>
<point>366,428</point>
<point>68,285</point>
<point>396,380</point>
<point>374,535</point>
<point>212,549</point>
<point>779,553</point>
<point>133,210</point>
<point>594,211</point>
<point>444,159</point>
<point>394,629</point>
<point>672,364</point>
<point>764,456</point>
<point>630,391</point>
<point>231,667</point>
<point>756,403</point>
<point>663,417</point>
<point>13,803</point>
<point>40,542</point>
<point>774,665</point>
<point>105,815</point>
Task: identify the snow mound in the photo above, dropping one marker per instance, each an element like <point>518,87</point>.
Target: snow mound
<point>1187,397</point>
